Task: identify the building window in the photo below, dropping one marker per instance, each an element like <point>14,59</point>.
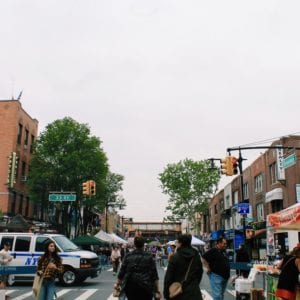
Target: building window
<point>13,203</point>
<point>227,202</point>
<point>276,205</point>
<point>258,183</point>
<point>23,169</point>
<point>20,210</point>
<point>17,167</point>
<point>236,197</point>
<point>19,138</point>
<point>26,139</point>
<point>221,205</point>
<point>216,209</point>
<point>246,191</point>
<point>273,173</point>
<point>260,212</point>
<point>32,143</point>
<point>27,207</point>
<point>216,225</point>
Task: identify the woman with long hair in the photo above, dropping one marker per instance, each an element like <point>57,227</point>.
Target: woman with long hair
<point>50,266</point>
<point>288,278</point>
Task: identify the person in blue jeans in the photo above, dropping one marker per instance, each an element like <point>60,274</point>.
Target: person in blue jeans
<point>218,268</point>
<point>50,266</point>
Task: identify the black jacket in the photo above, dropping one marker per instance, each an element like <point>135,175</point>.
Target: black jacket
<point>176,271</point>
<point>141,263</point>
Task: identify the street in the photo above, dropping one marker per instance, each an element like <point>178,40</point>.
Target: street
<point>101,288</point>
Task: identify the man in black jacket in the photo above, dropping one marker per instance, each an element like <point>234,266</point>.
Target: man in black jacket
<point>218,268</point>
<point>178,266</point>
<point>139,274</point>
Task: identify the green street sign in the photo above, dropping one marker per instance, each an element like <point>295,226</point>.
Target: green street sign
<point>289,161</point>
<point>62,197</point>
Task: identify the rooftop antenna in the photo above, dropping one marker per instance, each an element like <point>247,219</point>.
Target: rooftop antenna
<point>20,95</point>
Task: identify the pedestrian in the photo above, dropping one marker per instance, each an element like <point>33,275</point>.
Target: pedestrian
<point>138,274</point>
<point>50,266</point>
<point>115,259</point>
<point>185,263</point>
<point>288,278</point>
<point>218,268</point>
<point>5,259</point>
<point>242,256</point>
<point>172,252</point>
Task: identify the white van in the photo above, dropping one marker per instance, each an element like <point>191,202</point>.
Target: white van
<point>26,248</point>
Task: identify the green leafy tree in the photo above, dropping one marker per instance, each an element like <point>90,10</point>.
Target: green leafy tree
<point>189,184</point>
<point>65,155</point>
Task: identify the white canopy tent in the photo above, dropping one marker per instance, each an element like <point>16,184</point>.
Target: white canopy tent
<point>102,235</point>
<point>195,242</point>
<point>117,239</point>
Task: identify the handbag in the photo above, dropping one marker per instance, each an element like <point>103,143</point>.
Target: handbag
<point>37,284</point>
<point>175,288</point>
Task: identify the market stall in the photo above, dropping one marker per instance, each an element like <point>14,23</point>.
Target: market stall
<point>282,236</point>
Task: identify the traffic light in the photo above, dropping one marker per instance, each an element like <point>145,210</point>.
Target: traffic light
<point>226,167</point>
<point>235,164</point>
<point>92,188</point>
<point>86,188</point>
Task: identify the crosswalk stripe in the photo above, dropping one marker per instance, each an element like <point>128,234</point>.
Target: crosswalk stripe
<point>9,292</point>
<point>24,296</point>
<point>206,295</point>
<point>86,294</point>
<point>62,292</point>
<point>111,297</point>
<point>232,292</point>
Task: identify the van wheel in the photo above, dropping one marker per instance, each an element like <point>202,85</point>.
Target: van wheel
<point>68,277</point>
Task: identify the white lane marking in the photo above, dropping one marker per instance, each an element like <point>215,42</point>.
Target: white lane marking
<point>24,296</point>
<point>86,294</point>
<point>232,292</point>
<point>109,270</point>
<point>62,292</point>
<point>206,295</point>
<point>9,292</point>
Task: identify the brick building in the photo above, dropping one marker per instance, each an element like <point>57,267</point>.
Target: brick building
<point>18,131</point>
<point>270,184</point>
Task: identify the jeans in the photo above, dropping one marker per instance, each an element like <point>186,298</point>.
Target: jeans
<point>218,286</point>
<point>47,290</point>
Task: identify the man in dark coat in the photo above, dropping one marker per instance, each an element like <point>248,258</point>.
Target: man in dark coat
<point>177,269</point>
<point>139,274</point>
<point>218,268</point>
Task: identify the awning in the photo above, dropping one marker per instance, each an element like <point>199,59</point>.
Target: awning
<point>276,194</point>
<point>104,237</point>
<point>288,218</point>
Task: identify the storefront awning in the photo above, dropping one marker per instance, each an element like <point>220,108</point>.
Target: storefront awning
<point>276,194</point>
<point>288,218</point>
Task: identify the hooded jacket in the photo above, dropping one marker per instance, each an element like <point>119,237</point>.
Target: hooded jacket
<point>177,269</point>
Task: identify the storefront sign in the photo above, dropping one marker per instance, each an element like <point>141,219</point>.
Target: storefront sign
<point>288,218</point>
<point>280,167</point>
<point>289,161</point>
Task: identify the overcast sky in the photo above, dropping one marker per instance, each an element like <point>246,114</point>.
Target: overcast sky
<point>158,81</point>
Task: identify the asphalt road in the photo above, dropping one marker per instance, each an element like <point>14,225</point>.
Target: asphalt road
<point>100,288</point>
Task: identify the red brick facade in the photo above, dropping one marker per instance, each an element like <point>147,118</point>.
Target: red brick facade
<point>18,131</point>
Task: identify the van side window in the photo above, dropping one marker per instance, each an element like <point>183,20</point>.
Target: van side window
<point>40,243</point>
<point>22,243</point>
<point>7,239</point>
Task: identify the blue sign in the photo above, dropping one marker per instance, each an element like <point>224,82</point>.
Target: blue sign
<point>243,208</point>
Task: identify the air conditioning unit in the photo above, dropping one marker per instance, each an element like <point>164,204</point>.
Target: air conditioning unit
<point>24,178</point>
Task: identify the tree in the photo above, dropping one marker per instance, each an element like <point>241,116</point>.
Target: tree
<point>189,185</point>
<point>65,155</point>
<point>112,197</point>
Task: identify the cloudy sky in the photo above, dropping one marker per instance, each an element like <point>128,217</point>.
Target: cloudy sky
<point>157,80</point>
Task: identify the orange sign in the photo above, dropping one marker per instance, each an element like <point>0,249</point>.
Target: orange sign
<point>288,218</point>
